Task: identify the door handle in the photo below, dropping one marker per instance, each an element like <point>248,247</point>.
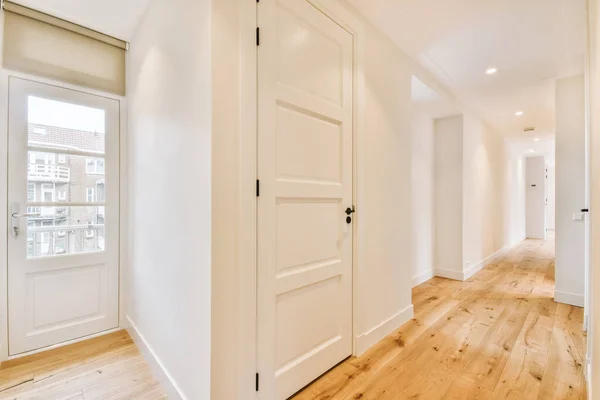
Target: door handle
<point>18,215</point>
<point>15,214</point>
<point>350,211</point>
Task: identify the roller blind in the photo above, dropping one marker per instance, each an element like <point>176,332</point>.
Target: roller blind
<point>43,45</point>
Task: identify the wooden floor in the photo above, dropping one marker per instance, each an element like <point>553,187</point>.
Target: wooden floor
<point>108,367</point>
<point>499,335</point>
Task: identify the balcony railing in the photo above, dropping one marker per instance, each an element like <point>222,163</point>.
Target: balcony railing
<point>48,173</point>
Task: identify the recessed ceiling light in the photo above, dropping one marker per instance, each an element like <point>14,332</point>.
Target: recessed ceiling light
<point>491,71</point>
<point>536,139</point>
<point>519,113</point>
<point>531,151</point>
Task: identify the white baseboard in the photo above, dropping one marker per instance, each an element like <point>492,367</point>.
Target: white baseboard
<point>158,369</point>
<point>450,274</point>
<point>421,278</point>
<point>485,262</point>
<point>368,339</point>
<point>464,275</point>
<point>573,299</point>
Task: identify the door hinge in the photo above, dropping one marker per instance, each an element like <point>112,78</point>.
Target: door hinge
<point>257,381</point>
<point>257,188</point>
<point>257,36</point>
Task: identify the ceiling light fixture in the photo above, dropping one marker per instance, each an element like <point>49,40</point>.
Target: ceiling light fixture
<point>491,71</point>
<point>531,151</point>
<point>519,113</point>
<point>536,139</point>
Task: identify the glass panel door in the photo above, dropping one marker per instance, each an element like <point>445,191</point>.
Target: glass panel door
<point>64,214</point>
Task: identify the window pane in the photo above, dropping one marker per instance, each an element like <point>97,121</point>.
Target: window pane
<point>68,181</point>
<point>57,125</point>
<point>30,192</point>
<point>65,230</point>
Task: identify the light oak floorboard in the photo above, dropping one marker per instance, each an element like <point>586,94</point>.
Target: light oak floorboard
<point>499,335</point>
<point>107,367</point>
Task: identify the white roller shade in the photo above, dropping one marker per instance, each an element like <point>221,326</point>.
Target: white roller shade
<point>43,45</point>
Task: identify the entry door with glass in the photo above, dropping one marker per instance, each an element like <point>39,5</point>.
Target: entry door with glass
<point>63,196</point>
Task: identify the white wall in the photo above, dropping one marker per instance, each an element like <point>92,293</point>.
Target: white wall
<point>448,196</point>
<point>514,195</point>
<point>225,203</point>
<point>422,196</point>
<point>384,279</point>
<point>570,190</point>
<point>483,231</point>
<point>536,197</point>
<point>169,154</point>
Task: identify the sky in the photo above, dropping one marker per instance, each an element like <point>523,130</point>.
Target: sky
<point>65,115</point>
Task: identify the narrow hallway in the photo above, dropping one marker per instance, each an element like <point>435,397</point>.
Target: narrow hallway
<point>498,335</point>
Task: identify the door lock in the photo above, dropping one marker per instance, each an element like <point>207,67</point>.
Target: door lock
<point>349,211</point>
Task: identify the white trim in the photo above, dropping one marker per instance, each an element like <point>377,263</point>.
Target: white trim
<point>464,275</point>
<point>245,351</point>
<point>160,372</point>
<point>63,344</point>
<point>450,274</point>
<point>366,340</point>
<point>573,299</point>
<point>423,277</point>
<point>484,263</point>
<point>4,78</point>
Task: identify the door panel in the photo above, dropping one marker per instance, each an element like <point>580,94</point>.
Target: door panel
<point>63,188</point>
<point>305,170</point>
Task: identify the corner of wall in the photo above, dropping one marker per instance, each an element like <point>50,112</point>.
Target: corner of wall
<point>158,369</point>
<point>422,277</point>
<point>366,340</point>
<point>573,299</point>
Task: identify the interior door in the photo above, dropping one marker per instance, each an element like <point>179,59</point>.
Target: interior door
<point>63,245</point>
<point>305,172</point>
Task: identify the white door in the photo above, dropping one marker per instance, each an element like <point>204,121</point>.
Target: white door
<point>63,245</point>
<point>305,171</point>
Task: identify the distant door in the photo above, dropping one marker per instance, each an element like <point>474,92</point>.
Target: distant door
<point>305,171</point>
<point>550,197</point>
<point>63,247</point>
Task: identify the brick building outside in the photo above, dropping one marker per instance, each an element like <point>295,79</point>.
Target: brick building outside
<point>55,177</point>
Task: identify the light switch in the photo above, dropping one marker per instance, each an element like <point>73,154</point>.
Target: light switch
<point>577,216</point>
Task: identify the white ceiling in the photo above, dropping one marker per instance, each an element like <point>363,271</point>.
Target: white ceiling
<point>531,42</point>
<point>529,148</point>
<point>117,18</point>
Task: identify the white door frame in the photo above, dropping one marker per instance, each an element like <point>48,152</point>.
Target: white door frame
<point>246,346</point>
<point>4,227</point>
